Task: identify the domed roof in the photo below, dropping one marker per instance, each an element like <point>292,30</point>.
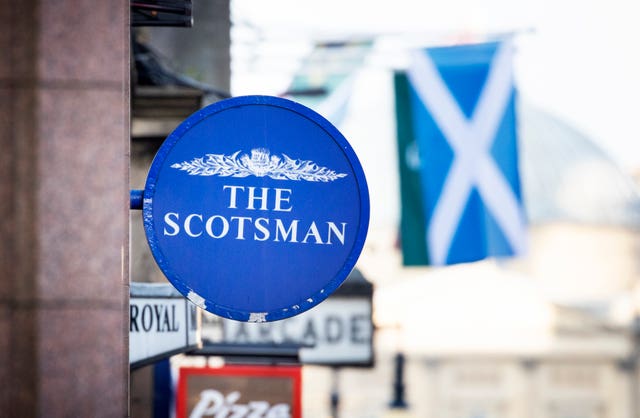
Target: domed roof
<point>566,177</point>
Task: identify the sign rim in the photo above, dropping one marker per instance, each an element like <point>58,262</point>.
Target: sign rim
<point>308,301</point>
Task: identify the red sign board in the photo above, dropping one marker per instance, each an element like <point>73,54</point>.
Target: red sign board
<point>240,391</point>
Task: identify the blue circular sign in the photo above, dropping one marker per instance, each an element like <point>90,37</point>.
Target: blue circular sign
<point>256,208</point>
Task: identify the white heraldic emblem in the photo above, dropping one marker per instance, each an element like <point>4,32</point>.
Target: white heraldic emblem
<point>260,164</point>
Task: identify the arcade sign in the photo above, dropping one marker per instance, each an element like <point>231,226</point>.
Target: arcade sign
<point>338,332</point>
<point>256,208</point>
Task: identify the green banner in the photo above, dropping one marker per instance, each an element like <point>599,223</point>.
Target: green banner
<point>412,221</point>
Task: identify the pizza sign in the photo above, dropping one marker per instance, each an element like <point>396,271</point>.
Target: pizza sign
<point>240,392</point>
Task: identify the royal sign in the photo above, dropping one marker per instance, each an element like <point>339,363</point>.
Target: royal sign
<point>256,208</point>
<point>161,323</point>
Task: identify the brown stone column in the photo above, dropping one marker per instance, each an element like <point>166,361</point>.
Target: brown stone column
<point>64,143</point>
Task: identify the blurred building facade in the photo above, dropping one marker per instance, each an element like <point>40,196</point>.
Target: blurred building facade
<point>546,336</point>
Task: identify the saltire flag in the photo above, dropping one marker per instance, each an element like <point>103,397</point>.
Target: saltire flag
<point>327,75</point>
<point>461,198</point>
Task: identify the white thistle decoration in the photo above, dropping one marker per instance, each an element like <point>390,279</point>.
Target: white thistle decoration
<point>260,164</point>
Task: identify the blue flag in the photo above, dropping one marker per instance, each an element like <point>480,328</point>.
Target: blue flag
<point>462,103</point>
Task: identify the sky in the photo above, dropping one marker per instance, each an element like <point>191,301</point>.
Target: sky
<point>575,59</point>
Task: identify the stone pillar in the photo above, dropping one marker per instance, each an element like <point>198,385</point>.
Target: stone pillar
<point>64,141</point>
<point>432,402</point>
<point>529,403</point>
<point>621,394</point>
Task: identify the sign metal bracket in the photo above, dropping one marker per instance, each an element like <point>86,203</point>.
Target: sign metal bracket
<point>135,199</point>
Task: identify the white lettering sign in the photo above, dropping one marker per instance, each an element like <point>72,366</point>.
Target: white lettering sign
<point>217,226</point>
<point>160,325</point>
<point>338,331</point>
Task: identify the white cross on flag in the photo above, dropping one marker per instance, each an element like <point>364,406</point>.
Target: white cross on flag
<point>463,116</point>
